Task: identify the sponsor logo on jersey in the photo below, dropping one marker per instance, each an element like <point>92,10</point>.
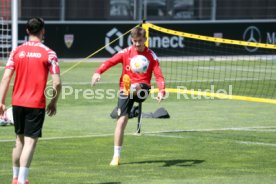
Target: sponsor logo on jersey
<point>127,68</point>
<point>34,54</point>
<point>22,54</point>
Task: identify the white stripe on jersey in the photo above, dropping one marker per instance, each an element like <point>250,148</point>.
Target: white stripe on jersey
<point>154,55</point>
<point>10,62</point>
<point>54,67</point>
<point>53,61</point>
<point>44,47</point>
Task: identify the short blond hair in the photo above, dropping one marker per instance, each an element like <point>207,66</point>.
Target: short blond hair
<point>138,32</point>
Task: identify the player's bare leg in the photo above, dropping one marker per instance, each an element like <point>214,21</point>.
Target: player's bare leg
<point>28,151</point>
<point>119,130</point>
<point>118,139</point>
<point>26,158</point>
<point>16,152</point>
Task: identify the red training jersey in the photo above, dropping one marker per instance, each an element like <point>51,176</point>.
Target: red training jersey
<point>124,57</point>
<point>32,62</point>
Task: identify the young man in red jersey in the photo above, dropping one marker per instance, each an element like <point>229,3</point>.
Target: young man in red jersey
<point>137,82</point>
<point>31,61</point>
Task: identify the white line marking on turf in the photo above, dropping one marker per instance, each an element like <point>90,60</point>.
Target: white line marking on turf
<point>66,137</point>
<point>256,143</point>
<point>72,137</point>
<point>162,135</point>
<point>259,128</point>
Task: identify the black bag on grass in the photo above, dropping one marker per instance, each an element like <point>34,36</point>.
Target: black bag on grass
<point>159,113</point>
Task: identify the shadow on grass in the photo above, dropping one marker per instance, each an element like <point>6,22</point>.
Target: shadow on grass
<point>169,163</point>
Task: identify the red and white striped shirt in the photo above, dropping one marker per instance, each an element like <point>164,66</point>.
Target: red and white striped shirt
<point>32,61</point>
<point>124,57</point>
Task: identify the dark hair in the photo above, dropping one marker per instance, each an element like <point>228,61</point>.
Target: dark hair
<point>35,25</point>
<point>137,32</point>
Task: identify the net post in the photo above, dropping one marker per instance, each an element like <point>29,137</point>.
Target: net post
<point>14,23</point>
<point>139,117</point>
<point>146,27</point>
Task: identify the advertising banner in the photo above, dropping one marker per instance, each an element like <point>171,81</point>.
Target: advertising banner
<point>80,40</point>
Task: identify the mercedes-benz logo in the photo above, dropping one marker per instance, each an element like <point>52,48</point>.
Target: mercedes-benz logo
<point>252,34</point>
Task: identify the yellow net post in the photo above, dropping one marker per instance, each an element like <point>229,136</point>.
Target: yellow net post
<point>146,27</point>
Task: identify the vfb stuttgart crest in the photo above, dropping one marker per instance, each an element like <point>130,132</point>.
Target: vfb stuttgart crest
<point>68,40</point>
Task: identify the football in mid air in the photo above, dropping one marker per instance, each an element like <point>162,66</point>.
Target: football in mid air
<point>139,64</point>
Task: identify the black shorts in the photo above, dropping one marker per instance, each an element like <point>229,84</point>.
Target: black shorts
<point>28,121</point>
<point>125,102</point>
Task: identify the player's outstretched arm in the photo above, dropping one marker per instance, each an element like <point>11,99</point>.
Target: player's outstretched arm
<point>4,89</point>
<point>52,106</point>
<point>95,78</point>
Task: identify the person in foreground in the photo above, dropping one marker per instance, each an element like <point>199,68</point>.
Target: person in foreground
<point>31,61</point>
<point>133,86</point>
